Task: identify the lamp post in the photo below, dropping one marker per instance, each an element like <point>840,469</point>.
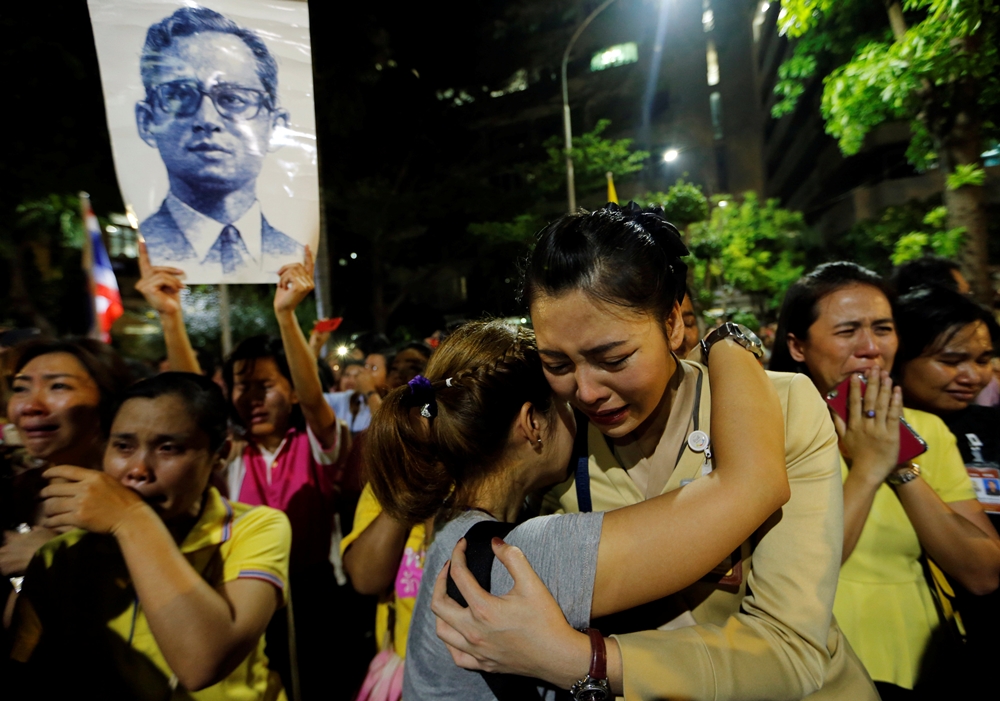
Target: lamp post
<point>567,126</point>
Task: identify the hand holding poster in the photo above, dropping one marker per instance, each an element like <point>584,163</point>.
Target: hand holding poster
<point>213,131</point>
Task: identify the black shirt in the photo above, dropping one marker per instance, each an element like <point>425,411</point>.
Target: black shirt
<point>977,431</point>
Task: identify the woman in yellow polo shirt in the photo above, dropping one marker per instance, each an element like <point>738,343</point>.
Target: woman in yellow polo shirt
<point>165,588</point>
<point>835,323</point>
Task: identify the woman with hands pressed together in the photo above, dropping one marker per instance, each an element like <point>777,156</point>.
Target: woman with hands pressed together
<point>168,585</point>
<point>838,322</point>
<point>603,291</point>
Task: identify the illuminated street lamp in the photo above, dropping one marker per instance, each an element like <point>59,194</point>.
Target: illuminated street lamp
<point>670,155</point>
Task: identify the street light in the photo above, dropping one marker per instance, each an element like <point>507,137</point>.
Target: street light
<point>567,126</point>
<point>670,155</point>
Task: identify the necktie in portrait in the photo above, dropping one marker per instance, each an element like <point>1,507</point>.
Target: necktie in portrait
<point>229,250</point>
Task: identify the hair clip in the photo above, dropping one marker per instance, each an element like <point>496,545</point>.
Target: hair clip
<point>422,395</point>
<point>447,383</point>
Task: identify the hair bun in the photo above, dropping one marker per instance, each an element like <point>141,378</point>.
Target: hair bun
<point>654,222</point>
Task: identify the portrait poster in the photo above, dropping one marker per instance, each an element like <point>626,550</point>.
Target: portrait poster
<point>213,131</point>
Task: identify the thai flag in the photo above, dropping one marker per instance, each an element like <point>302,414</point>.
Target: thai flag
<point>107,298</point>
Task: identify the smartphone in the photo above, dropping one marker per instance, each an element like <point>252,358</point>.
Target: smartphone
<point>328,325</point>
<point>910,443</point>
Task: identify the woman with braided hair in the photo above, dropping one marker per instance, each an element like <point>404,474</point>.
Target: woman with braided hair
<point>470,441</point>
<point>603,289</point>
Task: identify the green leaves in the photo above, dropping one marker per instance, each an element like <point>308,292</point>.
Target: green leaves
<point>933,236</point>
<point>750,245</point>
<point>593,157</point>
<point>53,219</point>
<point>966,174</point>
<point>683,204</point>
<point>948,50</point>
<point>521,230</point>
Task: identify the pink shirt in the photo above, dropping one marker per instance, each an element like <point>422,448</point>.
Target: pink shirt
<point>299,478</point>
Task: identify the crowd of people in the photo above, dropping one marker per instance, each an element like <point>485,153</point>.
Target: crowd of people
<point>614,502</point>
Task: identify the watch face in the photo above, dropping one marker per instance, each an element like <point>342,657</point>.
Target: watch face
<point>744,331</point>
<point>592,689</point>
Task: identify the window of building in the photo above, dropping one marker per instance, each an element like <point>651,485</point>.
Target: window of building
<point>712,56</point>
<point>715,102</point>
<point>618,55</point>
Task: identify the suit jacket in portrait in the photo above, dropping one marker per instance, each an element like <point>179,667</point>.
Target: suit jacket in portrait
<point>166,242</point>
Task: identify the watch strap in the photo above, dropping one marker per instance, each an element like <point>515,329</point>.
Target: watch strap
<point>599,655</point>
<point>739,334</point>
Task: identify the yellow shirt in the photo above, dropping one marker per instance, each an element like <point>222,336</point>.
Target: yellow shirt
<point>411,567</point>
<point>883,602</point>
<point>78,584</point>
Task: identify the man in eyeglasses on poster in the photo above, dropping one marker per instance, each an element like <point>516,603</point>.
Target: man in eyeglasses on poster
<point>211,107</point>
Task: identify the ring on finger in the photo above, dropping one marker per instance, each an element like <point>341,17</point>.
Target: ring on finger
<point>870,413</point>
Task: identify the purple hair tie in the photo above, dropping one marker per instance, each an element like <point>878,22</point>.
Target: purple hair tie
<point>422,393</point>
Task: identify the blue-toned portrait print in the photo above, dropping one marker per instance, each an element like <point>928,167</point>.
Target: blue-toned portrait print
<point>210,109</point>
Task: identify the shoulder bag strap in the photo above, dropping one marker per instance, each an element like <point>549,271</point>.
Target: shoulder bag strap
<point>479,557</point>
<point>580,464</point>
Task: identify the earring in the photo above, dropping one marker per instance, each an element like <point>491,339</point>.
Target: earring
<point>539,441</point>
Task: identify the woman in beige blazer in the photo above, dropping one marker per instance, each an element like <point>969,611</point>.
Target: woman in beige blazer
<point>603,291</point>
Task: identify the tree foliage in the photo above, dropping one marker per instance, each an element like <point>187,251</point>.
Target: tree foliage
<point>751,246</point>
<point>932,63</point>
<point>917,76</point>
<point>593,157</point>
<point>683,204</point>
<point>934,236</point>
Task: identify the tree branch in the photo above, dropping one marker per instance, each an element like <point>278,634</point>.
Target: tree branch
<point>896,20</point>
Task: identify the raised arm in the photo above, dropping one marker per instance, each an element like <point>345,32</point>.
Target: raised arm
<point>161,286</point>
<point>202,632</point>
<point>294,285</point>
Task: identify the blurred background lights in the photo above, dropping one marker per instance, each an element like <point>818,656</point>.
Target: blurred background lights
<point>670,155</point>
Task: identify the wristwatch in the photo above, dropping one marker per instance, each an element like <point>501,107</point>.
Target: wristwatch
<point>737,332</point>
<point>902,475</point>
<point>594,686</point>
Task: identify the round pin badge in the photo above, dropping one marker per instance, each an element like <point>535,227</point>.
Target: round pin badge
<point>698,441</point>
